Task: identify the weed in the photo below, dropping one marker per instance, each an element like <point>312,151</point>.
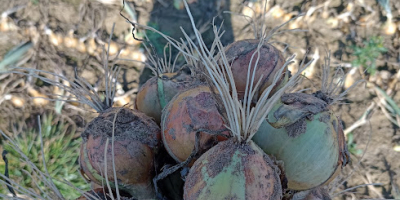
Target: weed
<point>61,153</point>
<point>367,54</point>
<point>353,146</point>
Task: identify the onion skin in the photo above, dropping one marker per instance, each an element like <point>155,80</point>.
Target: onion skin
<point>307,137</point>
<point>271,61</point>
<point>158,91</point>
<point>233,171</point>
<point>136,141</point>
<point>187,112</point>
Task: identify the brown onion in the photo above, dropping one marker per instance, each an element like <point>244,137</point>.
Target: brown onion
<point>136,140</point>
<point>270,62</point>
<point>192,110</point>
<point>233,170</point>
<point>155,94</point>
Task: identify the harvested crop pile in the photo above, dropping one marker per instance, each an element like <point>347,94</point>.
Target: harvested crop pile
<point>225,130</point>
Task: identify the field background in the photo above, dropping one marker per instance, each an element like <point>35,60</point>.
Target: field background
<point>354,32</point>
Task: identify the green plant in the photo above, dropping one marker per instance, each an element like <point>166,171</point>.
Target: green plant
<point>389,106</point>
<point>61,151</point>
<point>353,146</point>
<point>157,41</point>
<point>367,54</point>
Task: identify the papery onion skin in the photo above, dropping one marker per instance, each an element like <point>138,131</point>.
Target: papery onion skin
<point>271,61</point>
<point>155,94</point>
<point>192,110</point>
<point>136,141</point>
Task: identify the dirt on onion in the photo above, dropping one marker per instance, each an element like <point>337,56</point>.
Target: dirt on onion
<point>194,110</point>
<point>136,140</point>
<point>233,171</point>
<point>158,91</point>
<point>243,57</point>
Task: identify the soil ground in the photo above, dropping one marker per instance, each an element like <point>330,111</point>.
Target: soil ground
<point>333,27</point>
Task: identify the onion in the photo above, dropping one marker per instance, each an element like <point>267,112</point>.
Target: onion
<point>70,41</point>
<point>7,25</point>
<point>81,47</point>
<point>278,12</point>
<point>155,94</point>
<point>389,27</point>
<point>233,170</point>
<point>192,110</point>
<point>17,101</point>
<point>91,46</point>
<point>270,62</point>
<point>136,140</point>
<point>238,168</point>
<point>55,38</point>
<point>39,99</point>
<point>112,50</point>
<point>305,134</point>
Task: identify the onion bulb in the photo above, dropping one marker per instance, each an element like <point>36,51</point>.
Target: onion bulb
<point>306,135</point>
<point>259,7</point>
<point>155,94</point>
<point>113,50</point>
<point>18,102</point>
<point>270,62</point>
<point>55,38</point>
<point>192,110</point>
<point>81,47</point>
<point>278,12</point>
<point>247,11</point>
<point>350,78</point>
<point>389,27</point>
<point>38,98</point>
<point>233,170</point>
<point>70,41</point>
<point>136,141</point>
<point>91,46</point>
<point>7,25</point>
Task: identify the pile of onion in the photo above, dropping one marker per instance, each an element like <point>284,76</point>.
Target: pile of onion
<point>251,140</point>
<point>237,168</point>
<point>120,145</point>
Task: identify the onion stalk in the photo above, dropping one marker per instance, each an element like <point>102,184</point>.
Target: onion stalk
<point>158,91</point>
